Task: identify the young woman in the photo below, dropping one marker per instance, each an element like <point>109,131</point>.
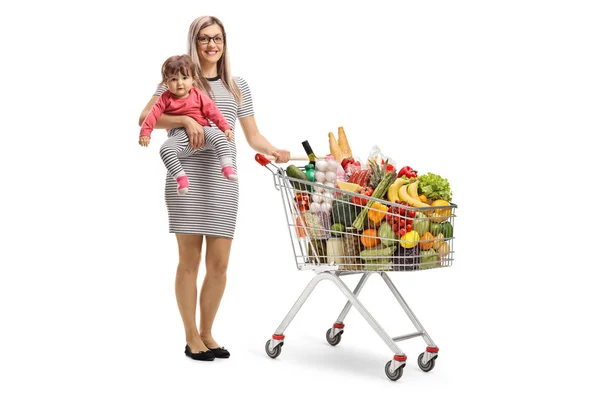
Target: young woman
<point>207,215</point>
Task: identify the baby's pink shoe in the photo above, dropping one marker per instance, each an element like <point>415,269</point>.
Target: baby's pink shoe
<point>182,185</point>
<point>229,173</point>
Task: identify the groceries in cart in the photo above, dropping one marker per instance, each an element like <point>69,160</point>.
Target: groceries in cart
<point>371,215</point>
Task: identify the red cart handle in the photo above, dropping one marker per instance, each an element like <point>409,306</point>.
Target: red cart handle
<point>262,160</point>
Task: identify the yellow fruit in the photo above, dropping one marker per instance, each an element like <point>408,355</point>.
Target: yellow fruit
<point>413,191</point>
<point>438,240</point>
<point>440,215</point>
<point>423,198</point>
<point>410,240</point>
<point>444,250</point>
<point>392,193</point>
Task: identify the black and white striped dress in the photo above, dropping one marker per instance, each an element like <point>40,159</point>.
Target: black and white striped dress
<point>210,207</point>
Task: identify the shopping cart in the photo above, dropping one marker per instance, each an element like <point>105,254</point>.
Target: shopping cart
<point>349,233</point>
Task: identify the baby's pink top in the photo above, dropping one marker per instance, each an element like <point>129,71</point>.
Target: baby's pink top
<point>197,105</point>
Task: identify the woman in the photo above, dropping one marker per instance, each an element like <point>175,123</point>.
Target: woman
<point>208,212</point>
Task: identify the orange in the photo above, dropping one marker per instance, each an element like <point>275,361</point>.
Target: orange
<point>426,241</point>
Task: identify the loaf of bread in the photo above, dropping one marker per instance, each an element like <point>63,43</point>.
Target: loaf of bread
<point>343,143</point>
<point>334,148</point>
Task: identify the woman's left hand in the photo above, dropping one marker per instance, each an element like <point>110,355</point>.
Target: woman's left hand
<point>281,156</point>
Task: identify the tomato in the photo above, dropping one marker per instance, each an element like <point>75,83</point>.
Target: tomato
<point>411,213</point>
<point>409,227</point>
<point>402,232</point>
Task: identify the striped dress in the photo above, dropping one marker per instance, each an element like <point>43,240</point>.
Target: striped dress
<point>210,207</point>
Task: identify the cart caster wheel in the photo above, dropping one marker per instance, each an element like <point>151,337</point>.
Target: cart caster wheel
<point>335,340</point>
<point>397,373</point>
<point>427,366</point>
<point>276,351</point>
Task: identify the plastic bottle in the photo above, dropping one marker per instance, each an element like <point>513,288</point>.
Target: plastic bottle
<point>310,172</point>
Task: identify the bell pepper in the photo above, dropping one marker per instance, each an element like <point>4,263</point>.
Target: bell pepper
<point>303,201</point>
<point>346,161</point>
<point>407,172</point>
<point>377,212</point>
<point>389,167</point>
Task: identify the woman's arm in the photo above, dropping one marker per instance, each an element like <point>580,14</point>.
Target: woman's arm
<point>194,130</point>
<point>259,143</point>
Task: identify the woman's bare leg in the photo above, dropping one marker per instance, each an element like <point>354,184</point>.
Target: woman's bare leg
<point>190,251</point>
<point>217,259</point>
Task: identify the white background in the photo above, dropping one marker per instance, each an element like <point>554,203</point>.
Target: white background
<point>501,98</point>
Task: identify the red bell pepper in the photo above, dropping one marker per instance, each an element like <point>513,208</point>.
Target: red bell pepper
<point>407,172</point>
<point>346,161</point>
<point>303,201</point>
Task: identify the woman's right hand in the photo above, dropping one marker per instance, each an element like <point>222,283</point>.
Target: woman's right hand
<point>195,133</point>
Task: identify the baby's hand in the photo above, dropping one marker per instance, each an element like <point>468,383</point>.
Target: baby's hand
<point>144,141</point>
<point>228,134</point>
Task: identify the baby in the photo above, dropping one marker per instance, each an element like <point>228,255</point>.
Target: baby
<point>184,98</point>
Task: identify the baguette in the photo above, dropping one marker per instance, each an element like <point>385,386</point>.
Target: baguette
<point>334,148</point>
<point>343,143</point>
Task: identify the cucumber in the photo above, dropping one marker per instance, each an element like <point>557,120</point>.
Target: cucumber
<point>294,172</point>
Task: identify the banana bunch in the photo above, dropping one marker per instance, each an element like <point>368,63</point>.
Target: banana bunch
<point>392,193</point>
<point>407,191</point>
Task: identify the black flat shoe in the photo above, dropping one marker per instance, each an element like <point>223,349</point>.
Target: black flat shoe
<point>206,355</point>
<point>220,352</point>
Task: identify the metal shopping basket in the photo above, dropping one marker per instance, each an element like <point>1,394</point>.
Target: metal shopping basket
<point>350,233</point>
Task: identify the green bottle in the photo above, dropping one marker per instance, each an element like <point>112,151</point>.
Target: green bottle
<point>310,172</point>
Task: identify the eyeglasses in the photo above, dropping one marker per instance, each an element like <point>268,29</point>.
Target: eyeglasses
<point>206,39</point>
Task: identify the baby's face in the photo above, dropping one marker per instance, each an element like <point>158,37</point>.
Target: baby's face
<point>180,85</point>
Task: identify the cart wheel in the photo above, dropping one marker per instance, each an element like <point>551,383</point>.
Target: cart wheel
<point>428,366</point>
<point>276,351</point>
<point>397,373</point>
<point>335,340</point>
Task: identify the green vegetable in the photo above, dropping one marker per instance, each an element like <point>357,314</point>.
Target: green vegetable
<point>377,253</point>
<point>337,229</point>
<point>446,229</point>
<point>435,228</point>
<point>379,264</point>
<point>343,211</point>
<point>294,172</point>
<point>435,187</point>
<point>379,193</point>
<point>386,234</point>
<point>429,259</point>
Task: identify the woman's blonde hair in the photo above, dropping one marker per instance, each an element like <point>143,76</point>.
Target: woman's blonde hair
<point>223,63</point>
